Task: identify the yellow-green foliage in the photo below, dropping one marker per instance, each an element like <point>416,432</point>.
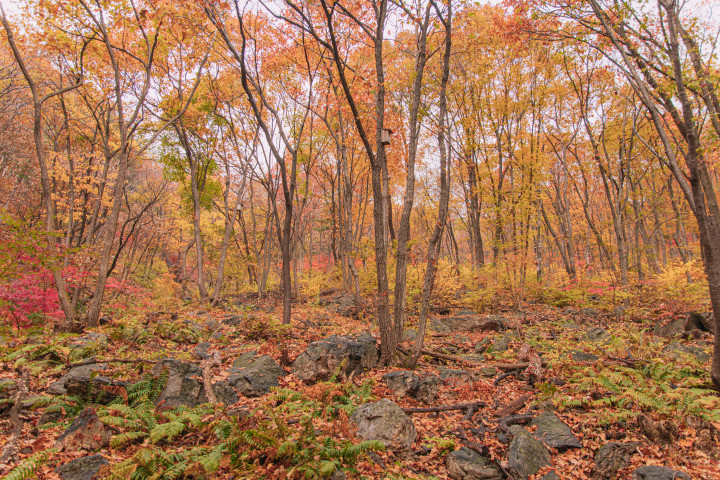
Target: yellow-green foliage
<point>656,387</point>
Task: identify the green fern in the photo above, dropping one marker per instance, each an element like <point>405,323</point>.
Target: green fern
<point>29,466</point>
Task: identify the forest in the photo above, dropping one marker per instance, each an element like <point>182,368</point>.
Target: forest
<point>373,239</point>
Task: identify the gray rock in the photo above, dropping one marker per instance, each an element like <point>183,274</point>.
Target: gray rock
<point>409,335</point>
<point>235,320</point>
<point>579,356</point>
<point>50,416</point>
<point>704,322</point>
<point>345,355</point>
<point>554,433</point>
<point>466,464</point>
<point>405,383</point>
<point>526,455</point>
<point>676,351</point>
<point>673,328</point>
<point>385,421</point>
<point>225,393</point>
<point>468,323</point>
<point>589,312</point>
<point>202,349</point>
<point>611,458</point>
<point>596,335</point>
<point>8,386</point>
<point>551,475</point>
<point>253,375</point>
<point>83,373</point>
<point>83,468</point>
<point>436,325</point>
<point>482,345</point>
<point>183,386</point>
<point>88,344</point>
<point>86,432</point>
<point>93,389</point>
<point>211,324</point>
<point>654,472</point>
<point>344,305</point>
<point>90,339</point>
<point>454,376</point>
<point>502,343</point>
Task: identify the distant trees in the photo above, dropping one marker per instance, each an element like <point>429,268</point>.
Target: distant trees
<point>663,56</point>
<point>246,145</point>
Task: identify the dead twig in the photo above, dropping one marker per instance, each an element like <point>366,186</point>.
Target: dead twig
<point>445,408</point>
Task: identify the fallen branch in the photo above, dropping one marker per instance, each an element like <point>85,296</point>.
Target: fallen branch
<point>445,408</point>
<point>93,361</point>
<point>507,422</point>
<point>11,446</point>
<point>630,361</point>
<point>512,407</point>
<point>511,366</point>
<point>441,356</point>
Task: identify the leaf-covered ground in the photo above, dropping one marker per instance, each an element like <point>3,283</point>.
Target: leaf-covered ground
<point>603,375</point>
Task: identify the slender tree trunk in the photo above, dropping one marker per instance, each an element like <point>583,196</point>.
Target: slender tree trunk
<point>434,245</point>
<point>404,228</point>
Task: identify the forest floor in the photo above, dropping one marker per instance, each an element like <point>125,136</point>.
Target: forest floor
<point>639,382</point>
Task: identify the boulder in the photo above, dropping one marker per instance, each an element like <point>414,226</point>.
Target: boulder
<point>482,345</point>
<point>502,343</point>
<point>579,356</point>
<point>237,320</point>
<point>611,458</point>
<point>348,356</point>
<point>677,351</point>
<point>596,335</point>
<point>253,375</point>
<point>405,383</point>
<point>451,376</point>
<point>89,340</point>
<point>344,305</point>
<point>654,472</point>
<point>8,387</point>
<point>526,455</point>
<point>225,393</point>
<point>385,421</point>
<point>409,335</point>
<point>554,433</point>
<point>673,328</point>
<point>470,322</point>
<point>86,432</point>
<point>82,373</point>
<point>202,350</point>
<point>702,322</point>
<point>93,389</point>
<point>551,475</point>
<point>83,468</point>
<point>184,385</point>
<point>466,464</point>
<point>662,431</point>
